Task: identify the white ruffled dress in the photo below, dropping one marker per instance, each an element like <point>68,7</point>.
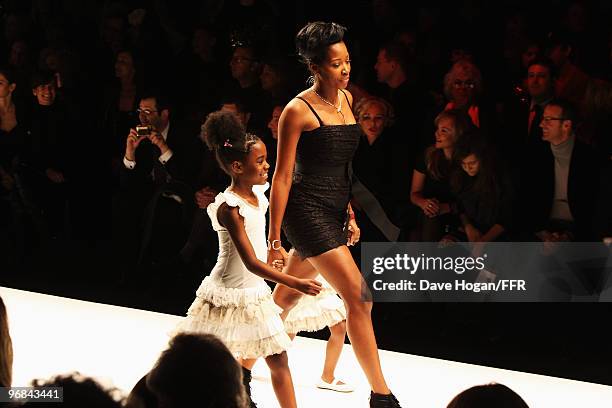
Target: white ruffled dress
<point>233,303</point>
<point>313,313</point>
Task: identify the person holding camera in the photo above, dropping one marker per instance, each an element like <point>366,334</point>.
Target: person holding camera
<point>156,198</point>
<point>157,162</point>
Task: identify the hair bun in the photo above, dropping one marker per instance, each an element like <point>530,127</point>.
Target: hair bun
<point>221,128</point>
<point>313,39</point>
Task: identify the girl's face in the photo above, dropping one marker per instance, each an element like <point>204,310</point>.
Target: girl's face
<point>471,165</point>
<point>255,166</point>
<point>372,120</point>
<point>336,68</point>
<point>6,88</point>
<point>445,133</point>
<point>273,124</point>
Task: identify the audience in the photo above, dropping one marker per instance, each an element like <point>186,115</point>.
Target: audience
<point>237,51</point>
<point>484,193</point>
<point>488,396</point>
<point>78,392</point>
<point>431,190</point>
<point>6,349</point>
<point>197,362</point>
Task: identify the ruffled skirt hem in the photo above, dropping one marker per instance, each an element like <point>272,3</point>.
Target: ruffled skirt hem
<point>246,320</point>
<point>314,314</point>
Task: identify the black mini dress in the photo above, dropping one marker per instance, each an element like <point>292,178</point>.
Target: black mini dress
<point>316,211</point>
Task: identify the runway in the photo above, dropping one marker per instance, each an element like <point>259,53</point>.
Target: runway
<point>117,345</point>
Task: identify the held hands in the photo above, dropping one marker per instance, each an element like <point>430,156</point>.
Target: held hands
<point>277,257</point>
<point>354,233</point>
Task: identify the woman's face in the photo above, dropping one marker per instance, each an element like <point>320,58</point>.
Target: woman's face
<point>471,165</point>
<point>372,120</point>
<point>269,78</point>
<point>6,88</point>
<point>335,70</point>
<point>273,124</point>
<point>445,133</point>
<point>124,65</point>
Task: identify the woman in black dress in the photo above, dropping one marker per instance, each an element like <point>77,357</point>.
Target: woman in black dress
<point>318,135</point>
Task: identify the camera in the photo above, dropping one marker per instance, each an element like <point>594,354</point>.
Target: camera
<point>143,130</point>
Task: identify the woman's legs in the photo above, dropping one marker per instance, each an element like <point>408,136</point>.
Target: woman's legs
<point>333,351</point>
<point>281,380</point>
<point>339,269</point>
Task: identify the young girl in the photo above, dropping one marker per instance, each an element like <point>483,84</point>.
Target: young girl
<point>484,193</point>
<point>234,302</point>
<point>314,314</point>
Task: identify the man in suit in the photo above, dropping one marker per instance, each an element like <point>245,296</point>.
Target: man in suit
<point>156,202</point>
<point>563,195</point>
<point>403,140</point>
<point>167,152</point>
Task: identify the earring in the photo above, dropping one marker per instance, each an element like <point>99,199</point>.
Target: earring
<point>310,81</point>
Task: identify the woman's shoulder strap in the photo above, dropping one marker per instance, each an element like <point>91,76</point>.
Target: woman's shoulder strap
<point>311,109</point>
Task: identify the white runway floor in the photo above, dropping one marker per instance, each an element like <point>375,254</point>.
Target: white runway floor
<point>118,345</point>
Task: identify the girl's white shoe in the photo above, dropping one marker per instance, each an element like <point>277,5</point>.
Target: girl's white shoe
<point>335,385</point>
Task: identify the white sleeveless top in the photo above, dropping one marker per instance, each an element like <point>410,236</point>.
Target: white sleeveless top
<point>230,271</point>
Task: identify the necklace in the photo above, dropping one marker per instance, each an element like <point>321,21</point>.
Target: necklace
<point>338,108</point>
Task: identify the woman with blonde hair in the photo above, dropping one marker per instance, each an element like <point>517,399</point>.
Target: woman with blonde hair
<point>431,190</point>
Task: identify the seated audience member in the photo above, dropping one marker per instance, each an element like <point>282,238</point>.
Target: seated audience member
<point>430,190</point>
<point>158,175</point>
<point>276,78</point>
<point>245,67</point>
<point>484,193</point>
<point>6,349</point>
<point>410,103</point>
<point>372,166</point>
<point>197,362</point>
<point>464,89</point>
<point>572,81</point>
<point>51,156</point>
<point>559,199</point>
<point>201,246</point>
<point>120,102</point>
<point>234,103</point>
<point>78,392</point>
<point>488,396</point>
